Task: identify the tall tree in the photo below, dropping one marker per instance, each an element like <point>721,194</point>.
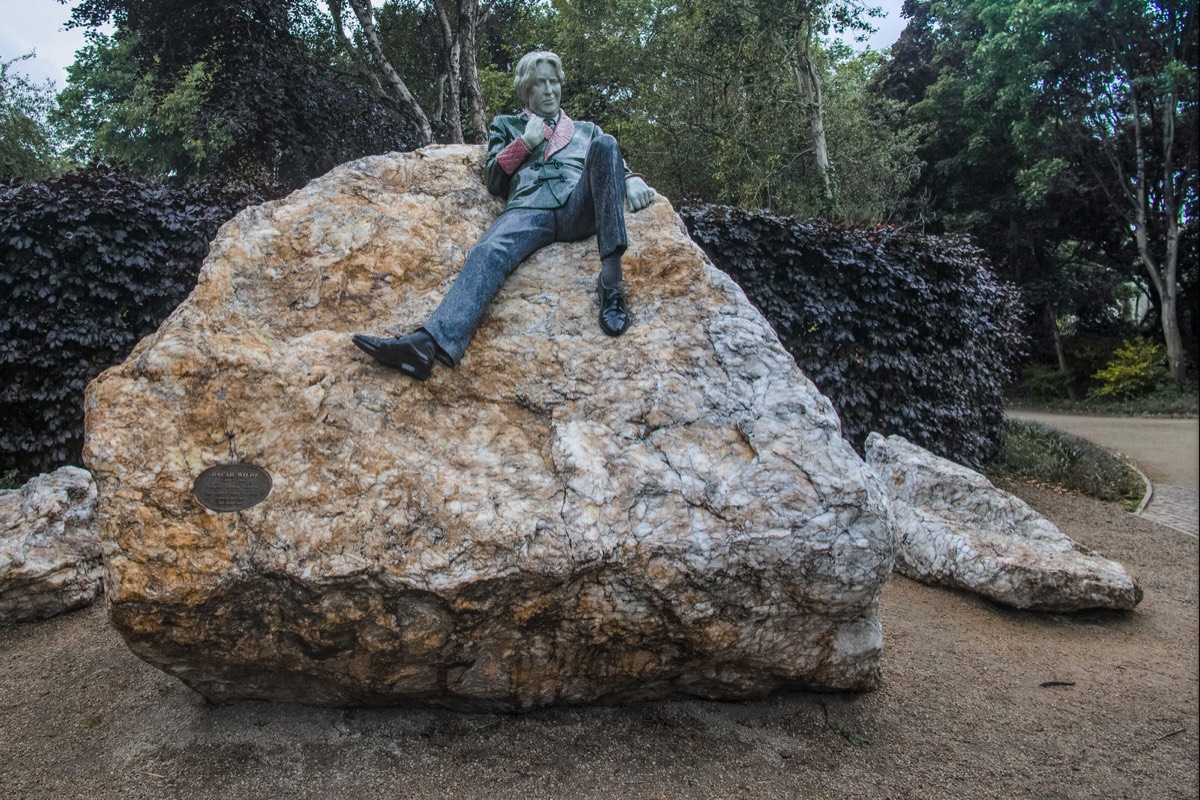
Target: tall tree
<point>371,61</point>
<point>1118,79</point>
<point>705,103</point>
<point>365,37</point>
<point>1053,125</point>
<point>790,32</point>
<point>27,142</point>
<point>248,88</point>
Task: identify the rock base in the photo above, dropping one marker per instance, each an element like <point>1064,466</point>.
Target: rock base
<point>49,546</point>
<point>562,518</point>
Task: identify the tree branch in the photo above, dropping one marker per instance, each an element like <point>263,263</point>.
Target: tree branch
<point>412,109</point>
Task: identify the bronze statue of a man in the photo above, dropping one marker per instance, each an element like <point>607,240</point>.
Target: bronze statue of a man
<point>564,181</point>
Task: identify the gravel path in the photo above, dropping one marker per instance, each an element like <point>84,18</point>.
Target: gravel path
<point>963,713</point>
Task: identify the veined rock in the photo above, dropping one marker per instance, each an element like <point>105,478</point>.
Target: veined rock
<point>49,546</point>
<point>563,518</point>
<point>954,528</point>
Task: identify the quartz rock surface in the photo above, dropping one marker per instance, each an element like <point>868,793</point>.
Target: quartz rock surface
<point>50,559</point>
<point>954,528</point>
<point>563,518</point>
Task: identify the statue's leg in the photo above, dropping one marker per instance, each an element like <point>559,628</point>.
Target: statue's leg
<point>512,238</point>
<point>597,205</point>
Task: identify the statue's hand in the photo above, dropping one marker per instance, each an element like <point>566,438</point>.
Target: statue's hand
<point>535,132</point>
<point>638,193</point>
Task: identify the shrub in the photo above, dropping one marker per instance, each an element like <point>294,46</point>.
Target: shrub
<point>1086,354</point>
<point>1048,456</point>
<point>90,263</point>
<point>905,333</point>
<point>1136,369</point>
<point>1043,382</point>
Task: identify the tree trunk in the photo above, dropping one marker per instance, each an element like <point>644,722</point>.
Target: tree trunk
<point>410,109</point>
<point>360,61</point>
<point>1170,325</point>
<point>1167,288</point>
<point>1163,277</point>
<point>808,83</point>
<point>468,23</point>
<point>1063,366</point>
<point>453,70</point>
<point>439,110</point>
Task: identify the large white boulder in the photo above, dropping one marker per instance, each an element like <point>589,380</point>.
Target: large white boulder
<point>563,518</point>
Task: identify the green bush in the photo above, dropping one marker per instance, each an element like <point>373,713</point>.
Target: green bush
<point>1087,354</point>
<point>1048,456</point>
<point>1136,369</point>
<point>1043,382</point>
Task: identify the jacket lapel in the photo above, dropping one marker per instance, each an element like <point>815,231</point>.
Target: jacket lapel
<point>560,137</point>
<point>562,134</point>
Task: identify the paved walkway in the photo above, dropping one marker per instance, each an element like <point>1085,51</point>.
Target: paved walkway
<point>1166,450</point>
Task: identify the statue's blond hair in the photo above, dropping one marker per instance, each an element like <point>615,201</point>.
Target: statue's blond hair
<point>526,72</point>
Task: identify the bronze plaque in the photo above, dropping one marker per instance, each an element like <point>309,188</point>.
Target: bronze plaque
<point>232,487</point>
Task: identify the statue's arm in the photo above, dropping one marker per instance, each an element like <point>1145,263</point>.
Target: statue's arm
<point>637,192</point>
<point>506,152</point>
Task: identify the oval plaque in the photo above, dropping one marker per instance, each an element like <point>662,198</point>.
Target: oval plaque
<point>232,487</point>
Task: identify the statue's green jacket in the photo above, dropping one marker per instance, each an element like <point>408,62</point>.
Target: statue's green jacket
<point>539,182</point>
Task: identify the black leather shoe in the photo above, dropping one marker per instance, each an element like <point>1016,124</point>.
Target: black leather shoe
<point>413,354</point>
<point>614,308</point>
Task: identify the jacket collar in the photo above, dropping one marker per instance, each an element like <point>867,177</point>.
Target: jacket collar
<point>560,137</point>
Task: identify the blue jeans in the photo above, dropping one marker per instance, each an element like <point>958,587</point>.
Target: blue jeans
<point>596,206</point>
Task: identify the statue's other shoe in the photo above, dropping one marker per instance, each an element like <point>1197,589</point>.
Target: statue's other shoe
<point>413,354</point>
<point>614,308</point>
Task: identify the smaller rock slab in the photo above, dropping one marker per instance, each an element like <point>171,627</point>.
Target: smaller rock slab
<point>50,558</point>
<point>954,528</point>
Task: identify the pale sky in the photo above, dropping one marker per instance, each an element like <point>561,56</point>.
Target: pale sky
<point>38,24</point>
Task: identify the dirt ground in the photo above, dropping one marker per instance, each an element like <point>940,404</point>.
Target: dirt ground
<point>963,713</point>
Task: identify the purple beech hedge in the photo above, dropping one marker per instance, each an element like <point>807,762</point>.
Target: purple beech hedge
<point>90,263</point>
<point>905,333</point>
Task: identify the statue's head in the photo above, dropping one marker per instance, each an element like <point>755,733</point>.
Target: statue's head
<point>538,82</point>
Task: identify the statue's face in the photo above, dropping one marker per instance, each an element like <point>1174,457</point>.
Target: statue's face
<point>545,96</point>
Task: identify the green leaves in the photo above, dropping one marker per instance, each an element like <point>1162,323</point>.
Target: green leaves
<point>27,143</point>
<point>220,90</point>
<point>1038,180</point>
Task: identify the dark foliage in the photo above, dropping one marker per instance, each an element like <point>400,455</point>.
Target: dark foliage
<point>89,264</point>
<point>905,333</point>
<point>293,119</point>
<point>291,111</point>
<point>910,70</point>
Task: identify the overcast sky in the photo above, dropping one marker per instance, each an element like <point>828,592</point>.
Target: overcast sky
<point>38,24</point>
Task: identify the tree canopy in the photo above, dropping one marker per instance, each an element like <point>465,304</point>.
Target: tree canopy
<point>249,89</point>
<point>27,143</point>
<point>718,100</point>
<point>1062,134</point>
